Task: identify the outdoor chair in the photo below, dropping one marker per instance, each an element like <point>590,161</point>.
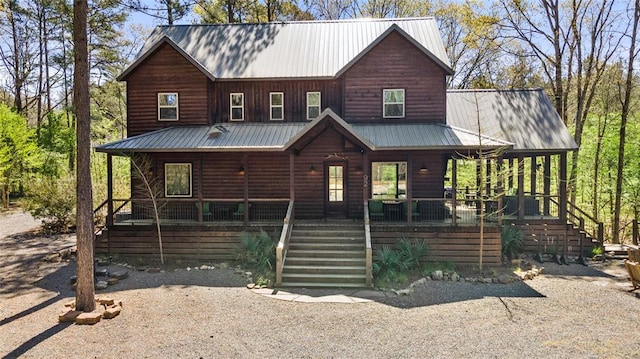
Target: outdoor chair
<point>238,215</point>
<point>376,211</point>
<point>207,215</point>
<point>415,213</point>
<point>633,269</point>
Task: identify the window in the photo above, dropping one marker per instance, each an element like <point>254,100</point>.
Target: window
<point>168,106</point>
<point>393,103</point>
<point>177,179</point>
<point>388,180</point>
<point>277,106</point>
<point>237,106</point>
<point>313,105</point>
<point>336,185</point>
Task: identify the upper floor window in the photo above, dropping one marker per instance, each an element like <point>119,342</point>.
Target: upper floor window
<point>276,104</point>
<point>393,103</point>
<point>313,105</point>
<point>177,179</point>
<point>237,106</point>
<point>168,106</point>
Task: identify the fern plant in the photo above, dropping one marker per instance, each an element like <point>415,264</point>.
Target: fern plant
<point>512,241</point>
<point>257,251</point>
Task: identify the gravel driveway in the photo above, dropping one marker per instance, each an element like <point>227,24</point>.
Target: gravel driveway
<point>570,311</point>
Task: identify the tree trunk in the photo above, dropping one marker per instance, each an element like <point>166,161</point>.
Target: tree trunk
<point>624,117</point>
<point>84,212</point>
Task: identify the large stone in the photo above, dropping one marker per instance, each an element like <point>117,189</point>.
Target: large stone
<point>101,284</point>
<point>68,316</point>
<point>101,272</point>
<point>119,274</point>
<point>113,281</point>
<point>112,312</point>
<point>105,301</point>
<point>407,291</point>
<point>455,277</point>
<point>89,318</point>
<point>153,270</point>
<point>437,275</point>
<point>505,279</point>
<point>419,282</point>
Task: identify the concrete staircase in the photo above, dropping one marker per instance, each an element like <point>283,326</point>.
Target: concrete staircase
<point>325,256</point>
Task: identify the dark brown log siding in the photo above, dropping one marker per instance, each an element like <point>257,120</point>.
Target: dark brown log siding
<point>424,184</point>
<point>165,71</point>
<point>256,98</point>
<point>395,63</point>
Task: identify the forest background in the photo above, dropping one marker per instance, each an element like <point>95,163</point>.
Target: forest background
<point>583,53</point>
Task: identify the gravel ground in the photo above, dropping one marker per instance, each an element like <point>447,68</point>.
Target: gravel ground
<point>570,311</point>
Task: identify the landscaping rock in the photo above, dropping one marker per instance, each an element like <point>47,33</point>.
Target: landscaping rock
<point>101,284</point>
<point>224,265</point>
<point>505,279</point>
<point>89,318</point>
<point>73,279</point>
<point>68,316</point>
<point>112,312</point>
<point>153,270</point>
<point>437,275</point>
<point>204,267</point>
<point>419,282</point>
<point>105,301</point>
<point>113,281</point>
<point>119,274</point>
<point>455,277</point>
<point>407,291</point>
<point>101,272</point>
<point>251,285</point>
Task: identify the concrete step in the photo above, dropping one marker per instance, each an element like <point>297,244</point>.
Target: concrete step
<point>325,278</point>
<point>333,261</point>
<point>304,253</point>
<point>325,246</point>
<point>323,270</point>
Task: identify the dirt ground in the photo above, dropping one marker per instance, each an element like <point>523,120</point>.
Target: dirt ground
<point>569,311</point>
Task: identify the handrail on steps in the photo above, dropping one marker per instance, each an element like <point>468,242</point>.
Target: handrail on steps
<point>283,244</point>
<point>599,226</point>
<point>367,246</point>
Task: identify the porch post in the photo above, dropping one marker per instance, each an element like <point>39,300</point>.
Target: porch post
<point>407,211</point>
<point>366,177</point>
<point>547,184</point>
<point>510,172</point>
<point>534,168</point>
<point>499,188</point>
<point>488,177</point>
<point>109,190</point>
<point>245,161</point>
<point>562,211</point>
<point>454,189</point>
<point>200,203</point>
<point>520,164</point>
<point>292,190</point>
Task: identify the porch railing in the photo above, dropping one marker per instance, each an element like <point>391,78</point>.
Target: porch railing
<point>283,244</point>
<point>207,210</point>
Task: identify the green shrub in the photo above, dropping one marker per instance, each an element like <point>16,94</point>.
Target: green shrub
<point>390,264</point>
<point>512,241</point>
<point>53,201</point>
<point>413,252</point>
<point>445,267</point>
<point>258,252</point>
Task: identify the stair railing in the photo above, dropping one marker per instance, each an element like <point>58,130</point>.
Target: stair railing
<point>367,246</point>
<point>283,244</point>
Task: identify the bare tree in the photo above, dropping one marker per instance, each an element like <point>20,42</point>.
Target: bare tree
<point>85,292</point>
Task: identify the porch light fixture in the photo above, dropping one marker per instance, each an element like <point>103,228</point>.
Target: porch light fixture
<point>312,169</point>
<point>424,169</point>
<point>241,171</point>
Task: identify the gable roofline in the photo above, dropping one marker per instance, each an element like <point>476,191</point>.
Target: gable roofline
<point>328,113</point>
<point>163,40</point>
<point>394,28</point>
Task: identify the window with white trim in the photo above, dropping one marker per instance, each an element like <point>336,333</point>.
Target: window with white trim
<point>177,179</point>
<point>236,101</point>
<point>276,105</point>
<point>313,105</point>
<point>168,106</point>
<point>393,103</point>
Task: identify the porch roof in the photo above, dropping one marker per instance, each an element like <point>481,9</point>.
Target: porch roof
<point>525,118</point>
<point>252,137</point>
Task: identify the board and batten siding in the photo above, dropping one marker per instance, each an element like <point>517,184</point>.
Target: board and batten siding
<point>395,63</point>
<point>256,98</point>
<point>165,71</point>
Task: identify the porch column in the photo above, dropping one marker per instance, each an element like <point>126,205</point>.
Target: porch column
<point>562,211</point>
<point>520,164</point>
<point>488,177</point>
<point>407,210</point>
<point>510,179</point>
<point>292,184</point>
<point>245,161</point>
<point>109,190</point>
<point>454,190</point>
<point>366,177</point>
<point>499,189</point>
<point>547,184</point>
<point>200,187</point>
<point>534,168</point>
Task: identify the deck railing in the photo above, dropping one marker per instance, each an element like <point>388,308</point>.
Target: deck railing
<point>367,246</point>
<point>283,244</point>
<point>207,210</point>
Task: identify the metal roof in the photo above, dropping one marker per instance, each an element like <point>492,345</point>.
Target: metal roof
<point>525,118</point>
<point>305,49</point>
<point>421,136</point>
<point>218,138</point>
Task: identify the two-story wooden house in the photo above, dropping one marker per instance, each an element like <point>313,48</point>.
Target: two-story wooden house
<point>335,137</point>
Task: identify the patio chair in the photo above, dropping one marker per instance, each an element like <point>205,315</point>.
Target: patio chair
<point>634,255</point>
<point>633,269</point>
<point>207,215</point>
<point>376,211</point>
<point>238,215</point>
<point>415,213</point>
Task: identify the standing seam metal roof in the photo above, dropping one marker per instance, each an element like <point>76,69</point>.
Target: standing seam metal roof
<point>305,49</point>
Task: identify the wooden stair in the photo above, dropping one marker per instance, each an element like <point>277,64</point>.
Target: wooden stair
<point>325,256</point>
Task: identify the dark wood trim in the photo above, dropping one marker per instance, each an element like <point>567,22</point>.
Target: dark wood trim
<point>292,176</point>
<point>247,173</point>
<point>510,172</point>
<point>563,187</point>
<point>547,184</point>
<point>534,169</point>
<point>409,187</point>
<point>366,176</point>
<point>520,165</point>
<point>109,189</point>
<point>454,189</point>
<point>200,188</point>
